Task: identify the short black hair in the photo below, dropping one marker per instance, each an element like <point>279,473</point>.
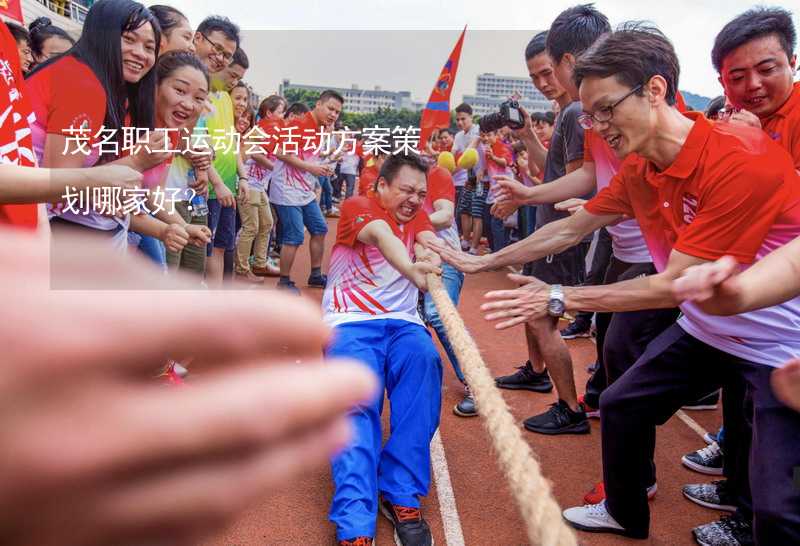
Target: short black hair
<point>216,23</point>
<point>19,32</point>
<point>633,53</point>
<point>330,94</point>
<point>574,30</point>
<point>548,117</point>
<point>464,108</point>
<point>295,109</point>
<point>752,24</point>
<point>240,58</point>
<point>536,46</point>
<point>713,107</point>
<point>396,162</point>
<point>447,130</point>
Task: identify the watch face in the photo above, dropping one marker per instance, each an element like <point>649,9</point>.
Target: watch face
<point>555,308</point>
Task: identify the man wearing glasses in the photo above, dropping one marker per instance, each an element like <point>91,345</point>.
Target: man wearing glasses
<point>216,43</point>
<point>699,191</point>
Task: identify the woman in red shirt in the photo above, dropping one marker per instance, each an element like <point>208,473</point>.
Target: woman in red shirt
<point>106,81</point>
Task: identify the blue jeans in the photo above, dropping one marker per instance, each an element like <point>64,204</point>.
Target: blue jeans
<point>293,220</point>
<point>407,365</point>
<point>453,280</point>
<point>326,199</point>
<point>499,232</point>
<point>222,223</point>
<point>154,249</point>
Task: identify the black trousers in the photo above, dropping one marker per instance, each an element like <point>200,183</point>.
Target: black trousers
<point>676,369</point>
<point>623,337</point>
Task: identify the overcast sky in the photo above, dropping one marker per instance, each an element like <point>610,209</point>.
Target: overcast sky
<point>402,44</point>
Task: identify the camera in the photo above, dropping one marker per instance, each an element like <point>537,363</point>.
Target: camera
<point>508,116</point>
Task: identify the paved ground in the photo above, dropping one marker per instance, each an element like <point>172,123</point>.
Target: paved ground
<point>483,513</point>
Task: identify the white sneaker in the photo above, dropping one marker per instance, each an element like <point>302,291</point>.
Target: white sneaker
<point>593,518</point>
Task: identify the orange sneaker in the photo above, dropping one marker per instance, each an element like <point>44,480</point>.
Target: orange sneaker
<point>358,541</point>
<point>598,493</point>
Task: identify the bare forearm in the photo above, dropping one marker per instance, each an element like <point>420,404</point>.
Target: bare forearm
<point>396,254</point>
<point>553,238</point>
<point>652,292</point>
<point>20,185</point>
<point>575,184</point>
<point>537,154</point>
<point>294,161</point>
<point>262,160</point>
<point>770,281</point>
<point>145,224</point>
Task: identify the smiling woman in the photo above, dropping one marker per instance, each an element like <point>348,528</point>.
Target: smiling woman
<point>105,81</point>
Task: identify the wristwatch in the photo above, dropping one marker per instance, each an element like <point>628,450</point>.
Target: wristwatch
<point>555,305</point>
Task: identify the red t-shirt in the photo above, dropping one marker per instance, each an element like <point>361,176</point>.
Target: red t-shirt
<point>784,125</point>
<point>721,195</point>
<point>67,95</point>
<point>730,191</point>
<point>366,180</point>
<point>440,186</point>
<point>362,284</point>
<point>16,144</point>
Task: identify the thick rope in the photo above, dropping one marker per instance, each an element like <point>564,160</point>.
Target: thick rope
<point>533,493</point>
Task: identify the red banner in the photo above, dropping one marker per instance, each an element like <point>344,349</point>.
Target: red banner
<point>436,114</point>
<point>11,9</point>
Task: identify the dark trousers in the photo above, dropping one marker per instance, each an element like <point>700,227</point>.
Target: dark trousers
<point>597,271</point>
<point>674,370</point>
<point>623,337</point>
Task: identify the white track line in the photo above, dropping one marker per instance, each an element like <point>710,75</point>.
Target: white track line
<point>453,535</point>
<point>691,423</point>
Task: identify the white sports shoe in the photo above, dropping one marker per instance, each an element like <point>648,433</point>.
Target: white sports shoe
<point>593,518</point>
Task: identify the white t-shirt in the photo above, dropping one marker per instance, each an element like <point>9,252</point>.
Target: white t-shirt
<point>362,285</point>
<point>349,163</point>
<point>460,143</point>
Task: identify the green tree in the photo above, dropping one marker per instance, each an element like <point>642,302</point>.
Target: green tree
<point>306,96</point>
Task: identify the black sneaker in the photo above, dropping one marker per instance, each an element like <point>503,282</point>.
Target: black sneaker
<point>559,419</point>
<point>713,495</point>
<point>576,329</point>
<point>317,281</point>
<point>705,403</point>
<point>708,460</point>
<point>288,287</point>
<point>409,527</point>
<point>728,531</point>
<point>466,408</point>
<point>525,379</point>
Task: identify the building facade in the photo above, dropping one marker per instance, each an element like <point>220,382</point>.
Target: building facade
<point>361,101</point>
<point>492,90</point>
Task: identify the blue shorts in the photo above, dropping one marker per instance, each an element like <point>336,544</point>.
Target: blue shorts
<point>222,223</point>
<point>294,219</point>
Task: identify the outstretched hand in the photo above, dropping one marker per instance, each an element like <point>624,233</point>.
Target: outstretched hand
<point>517,306</point>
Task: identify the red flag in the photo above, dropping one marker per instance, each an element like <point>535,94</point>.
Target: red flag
<point>11,9</point>
<point>437,111</point>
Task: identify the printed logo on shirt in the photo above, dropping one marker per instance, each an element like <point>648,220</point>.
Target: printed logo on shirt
<point>689,207</point>
<point>81,121</point>
<point>775,136</point>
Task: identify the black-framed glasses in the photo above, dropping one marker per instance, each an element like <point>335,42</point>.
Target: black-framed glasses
<point>218,49</point>
<point>605,114</point>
